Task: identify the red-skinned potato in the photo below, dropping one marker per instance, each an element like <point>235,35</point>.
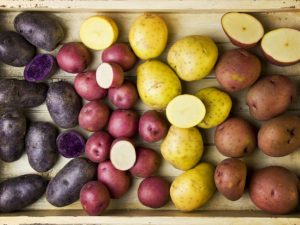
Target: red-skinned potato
<point>97,148</point>
<point>94,198</point>
<point>153,126</point>
<point>146,164</point>
<point>73,57</point>
<point>86,86</point>
<point>274,189</point>
<point>117,182</point>
<point>120,53</point>
<point>123,123</point>
<point>94,116</point>
<point>125,96</point>
<point>154,192</point>
<point>230,178</point>
<point>237,69</point>
<point>270,97</point>
<point>109,75</point>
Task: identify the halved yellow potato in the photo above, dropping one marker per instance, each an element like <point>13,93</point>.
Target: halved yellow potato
<point>185,111</point>
<point>98,32</point>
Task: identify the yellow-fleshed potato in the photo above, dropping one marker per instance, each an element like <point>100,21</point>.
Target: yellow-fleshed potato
<point>99,32</point>
<point>185,111</point>
<point>193,57</point>
<point>157,84</point>
<point>182,147</point>
<point>193,188</point>
<point>218,105</point>
<point>148,36</point>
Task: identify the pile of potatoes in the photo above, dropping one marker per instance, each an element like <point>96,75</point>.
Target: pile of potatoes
<point>102,101</point>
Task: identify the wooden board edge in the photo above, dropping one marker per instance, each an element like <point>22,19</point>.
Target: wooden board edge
<point>145,5</point>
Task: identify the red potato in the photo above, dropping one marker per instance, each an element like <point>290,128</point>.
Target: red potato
<point>97,148</point>
<point>94,116</point>
<point>120,53</point>
<point>153,126</point>
<point>123,123</point>
<point>154,192</point>
<point>94,198</point>
<point>109,75</point>
<point>117,182</point>
<point>147,163</point>
<point>125,96</point>
<point>86,86</point>
<point>73,57</point>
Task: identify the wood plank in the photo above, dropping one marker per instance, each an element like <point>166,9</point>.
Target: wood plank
<point>144,5</point>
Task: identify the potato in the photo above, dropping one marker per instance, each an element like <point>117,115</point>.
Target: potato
<point>97,147</point>
<point>12,132</point>
<point>153,126</point>
<point>98,32</point>
<point>235,138</point>
<point>109,75</point>
<point>19,192</point>
<point>154,192</point>
<point>117,181</point>
<point>63,104</point>
<point>148,36</point>
<point>230,178</point>
<point>9,42</point>
<point>157,84</point>
<point>146,164</point>
<point>217,104</point>
<point>73,57</point>
<point>70,144</point>
<point>274,189</point>
<point>40,29</point>
<point>94,116</point>
<point>182,147</point>
<point>86,86</point>
<point>193,57</point>
<point>280,136</point>
<point>270,97</point>
<point>123,123</point>
<point>40,145</point>
<point>193,188</point>
<point>21,93</point>
<point>64,188</point>
<point>237,69</point>
<point>94,198</point>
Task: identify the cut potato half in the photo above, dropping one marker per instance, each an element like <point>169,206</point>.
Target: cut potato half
<point>109,75</point>
<point>185,111</point>
<point>242,29</point>
<point>282,46</point>
<point>98,32</point>
<point>122,154</point>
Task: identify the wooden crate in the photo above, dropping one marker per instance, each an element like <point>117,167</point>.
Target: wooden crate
<point>184,17</point>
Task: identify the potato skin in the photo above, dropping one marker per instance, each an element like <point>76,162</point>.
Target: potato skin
<point>40,29</point>
<point>12,132</point>
<point>63,104</point>
<point>18,192</point>
<point>270,97</point>
<point>230,178</point>
<point>235,138</point>
<point>40,145</point>
<point>280,136</point>
<point>274,189</point>
<point>64,188</point>
<point>9,42</point>
<point>21,93</point>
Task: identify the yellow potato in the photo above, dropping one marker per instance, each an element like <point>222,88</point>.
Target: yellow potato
<point>182,147</point>
<point>218,105</point>
<point>148,36</point>
<point>193,57</point>
<point>98,32</point>
<point>185,111</point>
<point>193,188</point>
<point>157,84</point>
